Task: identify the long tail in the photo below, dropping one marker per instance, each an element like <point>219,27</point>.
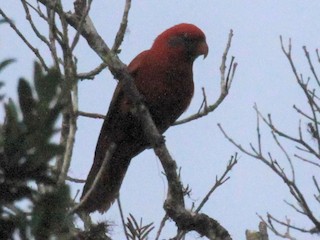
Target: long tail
<point>107,189</point>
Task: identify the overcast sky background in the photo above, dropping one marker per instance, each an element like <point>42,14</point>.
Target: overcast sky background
<point>263,77</point>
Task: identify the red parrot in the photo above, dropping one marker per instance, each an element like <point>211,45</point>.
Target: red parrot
<point>163,75</point>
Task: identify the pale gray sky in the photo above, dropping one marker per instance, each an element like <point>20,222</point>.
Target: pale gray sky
<point>263,77</point>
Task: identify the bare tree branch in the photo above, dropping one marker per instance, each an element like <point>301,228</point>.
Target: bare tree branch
<point>219,181</point>
<point>303,206</point>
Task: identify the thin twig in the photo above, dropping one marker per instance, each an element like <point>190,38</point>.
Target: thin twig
<point>34,28</point>
<point>311,65</point>
<point>122,218</point>
<point>316,196</point>
<point>204,104</point>
<point>306,160</point>
<point>75,180</point>
<point>38,11</point>
<point>70,137</point>
<point>162,224</point>
<point>285,153</point>
<point>303,114</point>
<point>314,108</point>
<point>83,13</point>
<point>33,49</point>
<point>258,132</point>
<point>316,184</point>
<point>53,37</point>
<point>122,29</point>
<point>286,224</point>
<point>282,134</point>
<point>235,144</point>
<point>91,74</point>
<point>269,224</point>
<point>318,56</point>
<point>233,161</point>
<point>90,115</point>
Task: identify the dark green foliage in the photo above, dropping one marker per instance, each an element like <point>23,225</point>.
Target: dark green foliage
<point>46,85</point>
<point>5,63</point>
<point>49,214</point>
<point>26,150</point>
<point>96,232</point>
<point>32,204</point>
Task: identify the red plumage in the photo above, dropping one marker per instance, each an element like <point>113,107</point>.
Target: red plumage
<point>163,75</point>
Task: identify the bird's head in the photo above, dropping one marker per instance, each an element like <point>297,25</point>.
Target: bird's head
<point>182,40</point>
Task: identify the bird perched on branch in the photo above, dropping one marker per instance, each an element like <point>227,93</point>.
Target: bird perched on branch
<point>163,75</point>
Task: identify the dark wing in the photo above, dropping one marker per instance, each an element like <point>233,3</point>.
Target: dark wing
<point>122,128</point>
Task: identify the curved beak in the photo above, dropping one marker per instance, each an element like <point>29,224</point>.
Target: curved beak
<point>203,49</point>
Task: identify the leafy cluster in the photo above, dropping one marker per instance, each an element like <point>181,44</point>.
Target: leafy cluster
<point>137,231</point>
<point>26,150</point>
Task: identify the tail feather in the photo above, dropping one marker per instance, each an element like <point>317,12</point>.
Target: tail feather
<point>106,190</point>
